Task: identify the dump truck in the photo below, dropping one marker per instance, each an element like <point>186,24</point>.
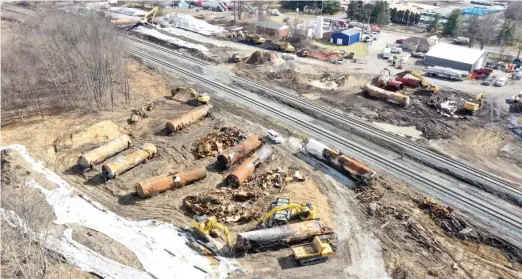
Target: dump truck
<point>281,236</point>
<point>389,96</point>
<point>357,171</point>
<point>315,252</point>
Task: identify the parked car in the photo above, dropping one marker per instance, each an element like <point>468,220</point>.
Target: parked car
<point>487,81</point>
<point>417,54</point>
<point>486,71</point>
<point>501,81</point>
<point>399,41</point>
<point>274,136</point>
<point>396,50</point>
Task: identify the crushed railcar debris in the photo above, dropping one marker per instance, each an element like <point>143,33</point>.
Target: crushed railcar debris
<point>215,142</point>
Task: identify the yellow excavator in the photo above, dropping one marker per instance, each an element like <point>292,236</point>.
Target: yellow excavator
<point>207,227</point>
<point>423,83</point>
<point>305,211</point>
<point>146,19</point>
<point>472,107</point>
<point>200,98</point>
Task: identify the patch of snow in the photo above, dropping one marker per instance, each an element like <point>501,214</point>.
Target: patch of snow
<point>190,23</point>
<point>149,240</point>
<point>158,35</point>
<point>76,253</point>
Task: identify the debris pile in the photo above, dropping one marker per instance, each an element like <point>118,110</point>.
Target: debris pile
<point>275,178</point>
<point>339,80</point>
<point>190,23</point>
<point>227,205</point>
<point>443,216</point>
<point>214,143</point>
<point>138,114</point>
<point>445,106</point>
<point>367,194</point>
<point>261,57</point>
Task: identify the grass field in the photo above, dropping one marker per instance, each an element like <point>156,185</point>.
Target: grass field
<point>360,48</point>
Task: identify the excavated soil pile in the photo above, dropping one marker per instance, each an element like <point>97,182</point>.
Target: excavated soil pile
<point>262,57</point>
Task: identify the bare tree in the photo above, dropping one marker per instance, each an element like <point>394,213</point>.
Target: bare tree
<point>487,27</point>
<point>239,8</point>
<point>63,61</point>
<point>473,29</point>
<point>518,41</point>
<point>21,256</point>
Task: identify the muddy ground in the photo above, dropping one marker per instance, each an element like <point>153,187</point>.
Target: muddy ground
<point>403,255</point>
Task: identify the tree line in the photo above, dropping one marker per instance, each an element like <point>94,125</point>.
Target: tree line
<point>327,6</point>
<point>405,17</point>
<point>62,61</point>
<point>486,29</point>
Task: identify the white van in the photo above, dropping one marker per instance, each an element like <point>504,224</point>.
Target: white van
<point>386,54</point>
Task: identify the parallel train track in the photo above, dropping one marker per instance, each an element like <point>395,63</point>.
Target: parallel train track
<point>483,206</point>
<point>462,171</point>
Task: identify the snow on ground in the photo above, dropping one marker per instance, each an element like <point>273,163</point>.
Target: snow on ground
<point>151,241</point>
<point>190,23</point>
<point>75,253</point>
<point>128,11</point>
<point>158,35</point>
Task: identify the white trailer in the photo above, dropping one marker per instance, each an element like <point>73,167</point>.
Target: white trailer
<point>444,72</point>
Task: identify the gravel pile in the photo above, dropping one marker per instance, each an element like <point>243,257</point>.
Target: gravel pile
<point>189,22</point>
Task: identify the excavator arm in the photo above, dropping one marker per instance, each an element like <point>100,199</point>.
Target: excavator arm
<point>221,227</point>
<point>293,206</point>
<point>152,13</point>
<point>207,225</point>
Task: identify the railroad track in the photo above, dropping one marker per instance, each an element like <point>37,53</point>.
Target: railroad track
<point>462,171</point>
<point>482,206</point>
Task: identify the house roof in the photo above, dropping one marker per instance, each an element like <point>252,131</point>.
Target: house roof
<point>455,53</point>
<point>271,25</point>
<point>419,40</point>
<point>349,32</point>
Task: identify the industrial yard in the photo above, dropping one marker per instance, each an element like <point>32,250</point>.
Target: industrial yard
<point>231,159</point>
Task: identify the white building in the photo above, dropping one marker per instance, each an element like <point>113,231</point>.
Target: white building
<point>456,57</point>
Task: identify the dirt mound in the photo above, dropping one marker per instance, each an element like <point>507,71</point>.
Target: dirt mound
<point>262,57</point>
